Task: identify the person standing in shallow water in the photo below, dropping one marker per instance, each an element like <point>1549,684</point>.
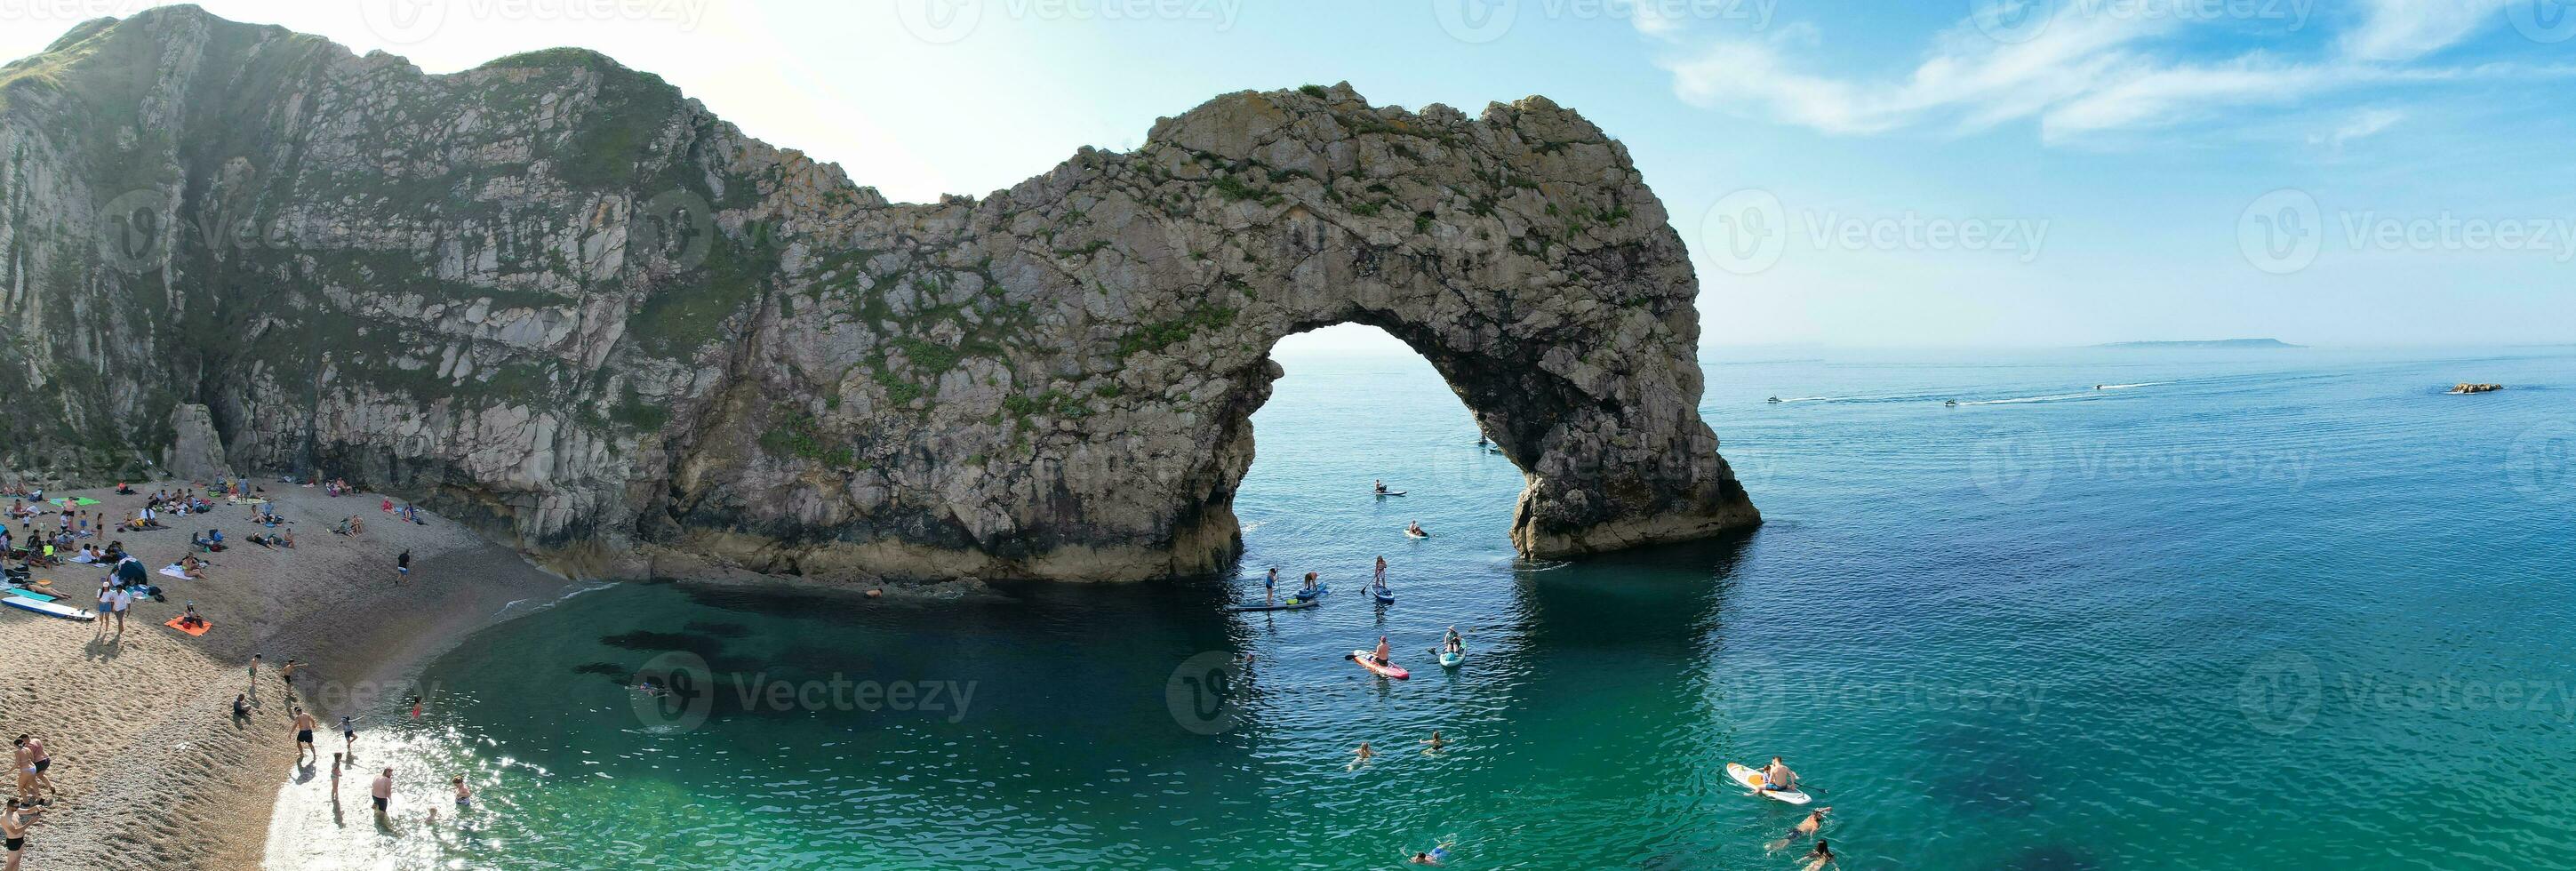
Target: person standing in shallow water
<point>382,793</point>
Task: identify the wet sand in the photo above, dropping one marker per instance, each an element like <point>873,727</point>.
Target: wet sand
<point>155,771</point>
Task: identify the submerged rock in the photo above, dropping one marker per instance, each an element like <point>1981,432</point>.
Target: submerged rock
<point>2465,387</point>
<point>553,297</point>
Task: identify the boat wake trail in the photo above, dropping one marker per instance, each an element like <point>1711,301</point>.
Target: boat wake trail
<point>2127,386</point>
<point>2061,397</point>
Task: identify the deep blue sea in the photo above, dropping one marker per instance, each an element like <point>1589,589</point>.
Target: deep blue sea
<point>2117,609</point>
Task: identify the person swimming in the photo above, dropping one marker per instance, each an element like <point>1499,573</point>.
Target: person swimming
<point>1821,856</point>
<point>1434,744</point>
<point>1806,828</point>
<point>1414,529</point>
<point>1435,855</point>
<point>1361,756</point>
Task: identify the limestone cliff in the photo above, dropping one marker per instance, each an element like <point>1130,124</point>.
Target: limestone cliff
<point>552,295</point>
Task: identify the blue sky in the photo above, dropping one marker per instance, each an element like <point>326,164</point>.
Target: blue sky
<point>1861,172</point>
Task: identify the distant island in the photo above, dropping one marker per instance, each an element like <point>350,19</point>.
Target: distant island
<point>2209,343</point>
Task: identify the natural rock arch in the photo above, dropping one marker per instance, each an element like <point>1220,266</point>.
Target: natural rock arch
<point>554,297</point>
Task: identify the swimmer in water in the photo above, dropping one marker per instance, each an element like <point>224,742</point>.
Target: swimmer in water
<point>1437,855</point>
<point>1361,756</point>
<point>1806,828</point>
<point>1820,857</point>
<point>1434,743</point>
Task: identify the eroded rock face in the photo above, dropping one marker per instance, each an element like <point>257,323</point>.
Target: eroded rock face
<point>552,295</point>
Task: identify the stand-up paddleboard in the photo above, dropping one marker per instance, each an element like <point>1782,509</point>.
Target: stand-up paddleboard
<point>1368,660</point>
<point>1412,534</point>
<point>1391,493</point>
<point>1450,659</point>
<point>1752,779</point>
<point>1290,605</point>
<point>1384,597</point>
<point>49,609</point>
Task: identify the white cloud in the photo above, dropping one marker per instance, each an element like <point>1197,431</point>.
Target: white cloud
<point>2083,71</point>
<point>2360,125</point>
<point>2402,30</point>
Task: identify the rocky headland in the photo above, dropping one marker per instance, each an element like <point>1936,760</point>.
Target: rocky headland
<point>555,299</point>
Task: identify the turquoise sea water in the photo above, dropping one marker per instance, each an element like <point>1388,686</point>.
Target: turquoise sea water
<point>2270,609</point>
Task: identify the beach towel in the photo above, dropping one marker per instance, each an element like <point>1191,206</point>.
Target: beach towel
<point>193,631</point>
<point>69,502</point>
<point>175,571</point>
<point>82,558</point>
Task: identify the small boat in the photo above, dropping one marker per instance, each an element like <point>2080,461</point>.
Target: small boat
<point>1773,399</point>
<point>1949,403</point>
<point>1368,660</point>
<point>1390,493</point>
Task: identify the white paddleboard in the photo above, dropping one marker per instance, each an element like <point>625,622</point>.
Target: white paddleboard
<point>1752,779</point>
<point>50,609</point>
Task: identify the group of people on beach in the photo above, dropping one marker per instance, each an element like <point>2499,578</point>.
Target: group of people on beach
<point>40,536</point>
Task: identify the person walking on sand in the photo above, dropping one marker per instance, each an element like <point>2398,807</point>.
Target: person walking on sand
<point>123,599</point>
<point>254,671</point>
<point>402,566</point>
<point>13,830</point>
<point>287,673</point>
<point>106,605</point>
<point>41,760</point>
<point>382,792</point>
<point>335,778</point>
<point>348,734</point>
<point>304,737</point>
